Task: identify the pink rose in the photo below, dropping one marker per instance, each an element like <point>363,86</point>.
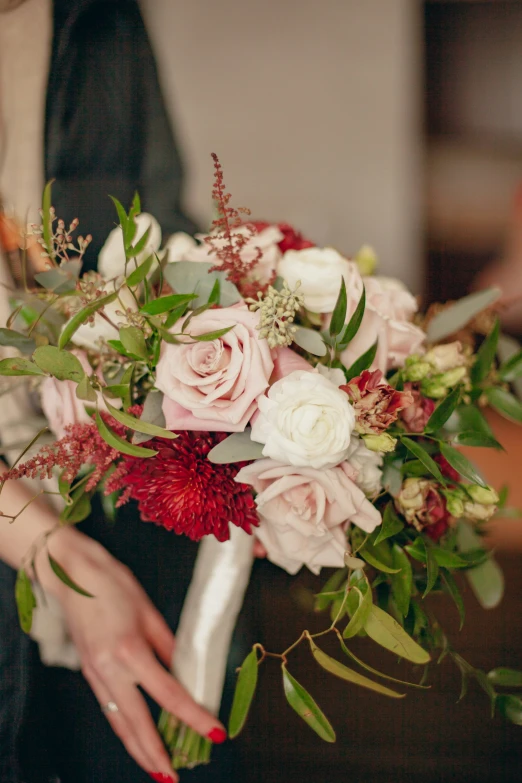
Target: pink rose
<point>214,385</point>
<point>287,361</point>
<point>59,402</point>
<point>305,512</point>
<point>387,319</point>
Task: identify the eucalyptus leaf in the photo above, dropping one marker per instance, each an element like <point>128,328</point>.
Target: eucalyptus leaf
<point>461,464</point>
<point>188,277</point>
<point>63,365</point>
<point>387,632</point>
<point>17,340</point>
<point>310,340</point>
<point>459,314</point>
<point>66,579</point>
<point>238,447</point>
<point>345,673</point>
<point>152,413</point>
<point>120,444</point>
<point>392,478</point>
<point>301,701</point>
<point>25,600</point>
<point>18,366</point>
<point>486,580</point>
<point>243,695</point>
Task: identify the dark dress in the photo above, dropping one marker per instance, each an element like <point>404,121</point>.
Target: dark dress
<point>107,132</point>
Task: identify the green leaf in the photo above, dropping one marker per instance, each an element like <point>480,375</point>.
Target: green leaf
<point>166,303</point>
<point>354,323</point>
<point>133,340</point>
<point>215,294</point>
<point>66,579</point>
<point>208,336</point>
<point>432,570</point>
<point>152,413</point>
<point>325,597</point>
<point>138,425</point>
<point>486,580</point>
<point>420,452</point>
<point>139,274</point>
<point>120,444</point>
<point>186,277</point>
<point>371,557</point>
<point>61,364</point>
<point>62,279</point>
<point>360,615</point>
<point>443,411</point>
<point>17,340</point>
<point>446,558</point>
<point>362,363</point>
<point>505,678</point>
<point>345,673</point>
<point>391,524</point>
<point>174,316</point>
<point>505,403</point>
<point>461,464</point>
<point>339,313</point>
<point>387,632</point>
<point>18,366</point>
<point>25,600</point>
<point>79,318</point>
<point>402,582</point>
<point>139,247</point>
<point>510,707</point>
<point>469,418</point>
<point>136,205</point>
<point>457,315</point>
<point>364,665</point>
<point>47,224</point>
<point>485,355</point>
<point>79,509</point>
<point>477,439</point>
<point>122,215</point>
<point>301,701</point>
<point>238,447</point>
<point>84,390</point>
<point>453,590</point>
<point>243,695</point>
<point>310,340</point>
<point>512,368</point>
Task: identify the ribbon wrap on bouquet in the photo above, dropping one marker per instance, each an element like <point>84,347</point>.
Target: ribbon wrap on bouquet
<point>203,638</point>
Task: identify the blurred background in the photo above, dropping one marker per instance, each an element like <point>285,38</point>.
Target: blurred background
<point>398,123</point>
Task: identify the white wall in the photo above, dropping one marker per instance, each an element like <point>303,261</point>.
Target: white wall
<point>313,108</point>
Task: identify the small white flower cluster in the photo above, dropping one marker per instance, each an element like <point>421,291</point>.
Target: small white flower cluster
<point>277,311</point>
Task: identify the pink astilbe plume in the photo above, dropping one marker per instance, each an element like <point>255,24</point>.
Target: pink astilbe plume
<point>225,242</point>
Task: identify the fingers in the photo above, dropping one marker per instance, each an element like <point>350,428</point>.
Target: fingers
<point>167,692</point>
<point>259,549</point>
<point>132,722</point>
<point>159,635</point>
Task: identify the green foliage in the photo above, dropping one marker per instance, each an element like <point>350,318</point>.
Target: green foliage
<point>402,581</point>
<point>505,403</point>
<point>486,580</point>
<point>25,600</point>
<point>512,368</point>
<point>485,355</point>
<point>120,444</point>
<point>167,303</point>
<point>457,315</point>
<point>330,589</point>
<point>61,364</point>
<point>461,464</point>
<point>17,340</point>
<point>139,425</point>
<point>443,411</point>
<point>477,439</point>
<point>362,363</point>
<point>422,455</point>
<point>360,615</point>
<point>80,317</point>
<point>47,224</point>
<point>243,695</point>
<point>64,577</point>
<point>133,341</point>
<point>310,340</point>
<point>391,524</point>
<point>510,707</point>
<point>339,313</point>
<point>387,632</point>
<point>505,678</point>
<point>301,701</point>
<point>452,589</point>
<point>345,673</point>
<point>18,366</point>
<point>138,275</point>
<point>354,323</point>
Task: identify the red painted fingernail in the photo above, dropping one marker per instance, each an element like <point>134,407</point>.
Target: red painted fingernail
<point>217,736</point>
<point>159,777</point>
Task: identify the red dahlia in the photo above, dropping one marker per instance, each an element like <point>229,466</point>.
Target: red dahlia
<point>182,491</point>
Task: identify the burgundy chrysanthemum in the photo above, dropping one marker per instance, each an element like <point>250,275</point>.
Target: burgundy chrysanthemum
<point>182,491</point>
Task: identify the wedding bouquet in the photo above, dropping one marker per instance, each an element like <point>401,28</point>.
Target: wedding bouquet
<point>246,384</point>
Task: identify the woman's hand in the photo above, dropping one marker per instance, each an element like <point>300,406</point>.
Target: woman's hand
<point>118,634</point>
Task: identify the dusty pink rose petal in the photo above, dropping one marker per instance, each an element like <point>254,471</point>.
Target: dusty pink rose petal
<point>214,385</point>
<point>304,512</point>
<point>286,361</point>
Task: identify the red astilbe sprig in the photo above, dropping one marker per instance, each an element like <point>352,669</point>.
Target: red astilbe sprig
<point>227,243</point>
<point>81,445</point>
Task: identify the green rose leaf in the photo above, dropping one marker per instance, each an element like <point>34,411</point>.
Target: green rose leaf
<point>120,444</point>
<point>238,447</point>
<point>17,340</point>
<point>461,464</point>
<point>25,600</point>
<point>133,340</point>
<point>387,632</point>
<point>339,313</point>
<point>505,678</point>
<point>62,365</point>
<point>443,411</point>
<point>360,615</point>
<point>345,673</point>
<point>505,403</point>
<point>18,366</point>
<point>420,452</point>
<point>353,325</point>
<point>485,355</point>
<point>243,695</point>
<point>401,582</point>
<point>391,524</point>
<point>301,701</point>
<point>79,318</point>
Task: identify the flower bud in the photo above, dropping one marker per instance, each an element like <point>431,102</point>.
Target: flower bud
<point>416,372</point>
<point>431,387</point>
<point>382,443</point>
<point>453,377</point>
<point>455,503</point>
<point>446,357</point>
<point>366,260</point>
<point>484,495</point>
<point>478,512</point>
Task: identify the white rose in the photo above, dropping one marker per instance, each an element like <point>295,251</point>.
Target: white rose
<point>111,260</point>
<point>89,334</point>
<point>334,374</point>
<point>180,246</point>
<point>320,271</point>
<point>305,420</point>
<point>368,466</point>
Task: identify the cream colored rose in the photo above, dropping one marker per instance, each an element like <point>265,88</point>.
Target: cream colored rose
<point>305,420</point>
<point>111,260</point>
<point>320,271</point>
<point>367,465</point>
<point>305,512</point>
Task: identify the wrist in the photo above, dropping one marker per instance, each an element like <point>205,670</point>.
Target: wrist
<point>76,553</point>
